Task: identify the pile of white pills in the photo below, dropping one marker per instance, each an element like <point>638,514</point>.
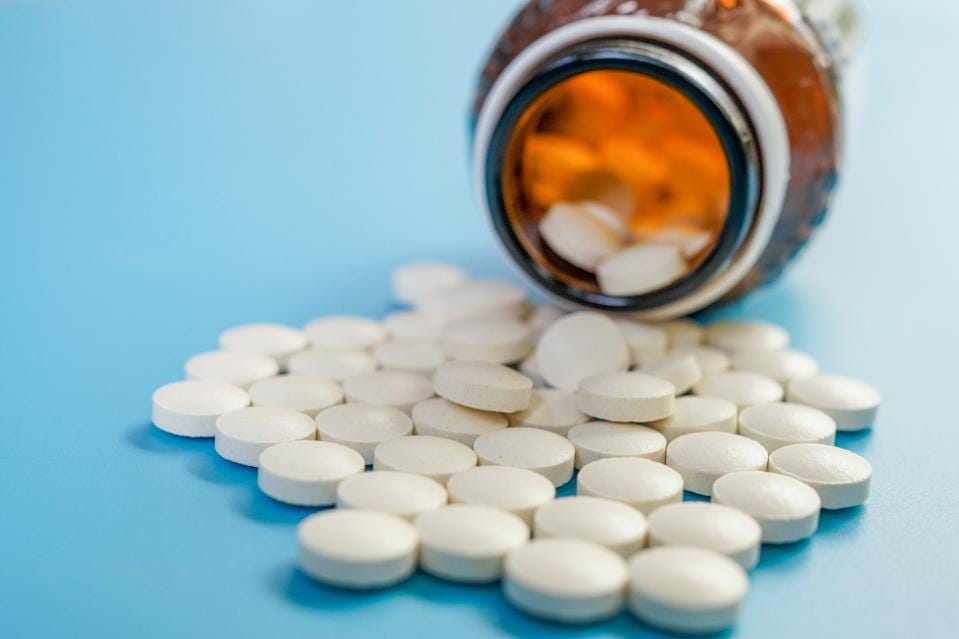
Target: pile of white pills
<point>438,436</point>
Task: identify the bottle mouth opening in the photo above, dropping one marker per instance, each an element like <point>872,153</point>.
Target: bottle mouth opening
<point>623,175</point>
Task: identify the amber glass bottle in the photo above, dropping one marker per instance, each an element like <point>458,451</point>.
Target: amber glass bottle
<point>717,122</point>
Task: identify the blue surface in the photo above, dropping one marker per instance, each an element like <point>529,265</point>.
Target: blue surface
<point>168,169</point>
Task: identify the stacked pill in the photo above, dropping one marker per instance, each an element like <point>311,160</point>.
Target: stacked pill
<point>440,435</point>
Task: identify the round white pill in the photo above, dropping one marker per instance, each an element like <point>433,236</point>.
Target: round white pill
<point>332,365</point>
<point>646,342</point>
<point>500,341</point>
<point>701,458</point>
<point>272,340</point>
<point>239,369</point>
<point>191,408</point>
<point>565,580</point>
<point>714,527</point>
<point>307,472</point>
<point>552,410</point>
<point>600,440</point>
<point>357,549</point>
<point>576,236</point>
<point>397,389</point>
<point>626,397</point>
<point>741,388</point>
<point>412,325</point>
<point>537,450</point>
<point>483,386</point>
<point>414,282</point>
<point>682,371</point>
<point>643,484</point>
<point>362,427</point>
<point>468,543</point>
<point>852,403</point>
<point>305,394</point>
<point>514,490</point>
<point>439,417</point>
<point>344,332</point>
<point>711,360</point>
<point>432,457</point>
<point>609,523</point>
<point>694,414</point>
<point>685,589</point>
<point>476,299</point>
<point>578,346</point>
<point>242,434</point>
<point>734,336</point>
<point>402,494</point>
<point>414,355</point>
<point>782,365</point>
<point>683,332</point>
<point>841,477</point>
<point>779,424</point>
<point>786,508</point>
<point>641,268</point>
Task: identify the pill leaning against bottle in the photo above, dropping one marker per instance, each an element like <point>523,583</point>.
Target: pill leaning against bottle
<point>578,346</point>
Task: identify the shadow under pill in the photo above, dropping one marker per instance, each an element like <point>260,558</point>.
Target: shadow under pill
<point>296,587</point>
<point>858,441</point>
<point>214,469</point>
<point>148,438</point>
<point>776,556</point>
<point>257,506</point>
<point>841,523</point>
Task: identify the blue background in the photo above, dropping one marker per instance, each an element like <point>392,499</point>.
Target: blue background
<point>168,169</point>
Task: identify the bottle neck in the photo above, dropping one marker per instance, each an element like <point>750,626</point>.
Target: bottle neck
<point>515,206</point>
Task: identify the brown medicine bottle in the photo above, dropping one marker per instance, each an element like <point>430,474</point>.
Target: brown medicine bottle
<point>711,124</point>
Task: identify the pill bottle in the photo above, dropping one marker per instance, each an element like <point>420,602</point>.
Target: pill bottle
<point>712,128</point>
